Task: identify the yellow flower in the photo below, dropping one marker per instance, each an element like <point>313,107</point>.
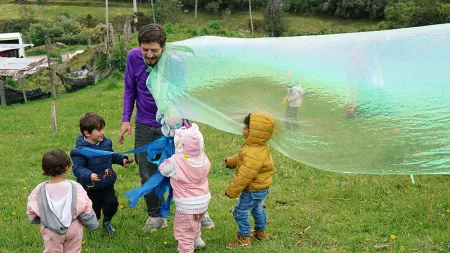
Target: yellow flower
<point>86,250</point>
<point>148,249</point>
<point>13,213</point>
<point>165,243</point>
<point>83,242</point>
<point>121,206</point>
<point>448,210</point>
<point>393,237</point>
<point>186,156</point>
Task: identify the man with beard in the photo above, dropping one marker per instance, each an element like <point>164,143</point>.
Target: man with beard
<point>140,62</point>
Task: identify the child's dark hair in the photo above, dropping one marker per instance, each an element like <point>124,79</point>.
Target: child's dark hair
<point>55,162</point>
<point>247,120</point>
<point>91,121</point>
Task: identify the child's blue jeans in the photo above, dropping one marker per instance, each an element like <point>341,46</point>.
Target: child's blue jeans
<point>250,202</point>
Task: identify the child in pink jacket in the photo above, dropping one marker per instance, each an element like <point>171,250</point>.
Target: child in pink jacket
<point>61,206</point>
<point>188,170</point>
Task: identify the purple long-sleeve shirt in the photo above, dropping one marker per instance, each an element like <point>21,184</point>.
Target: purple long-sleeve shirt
<point>136,91</point>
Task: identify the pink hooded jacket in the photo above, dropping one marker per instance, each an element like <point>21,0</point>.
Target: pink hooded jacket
<point>188,170</point>
<point>83,206</point>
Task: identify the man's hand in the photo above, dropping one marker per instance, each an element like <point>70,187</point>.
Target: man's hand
<point>126,127</point>
<point>94,177</point>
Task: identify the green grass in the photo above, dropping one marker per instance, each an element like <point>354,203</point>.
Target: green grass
<point>309,210</point>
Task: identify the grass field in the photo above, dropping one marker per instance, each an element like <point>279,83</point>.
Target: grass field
<point>308,209</point>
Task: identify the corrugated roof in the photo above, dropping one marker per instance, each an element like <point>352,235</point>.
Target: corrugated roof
<point>14,63</point>
<point>6,47</point>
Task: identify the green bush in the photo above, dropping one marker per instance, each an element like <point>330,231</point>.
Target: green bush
<point>413,13</point>
<point>213,7</point>
<point>258,25</point>
<point>11,83</point>
<point>168,28</point>
<point>214,25</point>
<point>117,75</point>
<point>194,33</point>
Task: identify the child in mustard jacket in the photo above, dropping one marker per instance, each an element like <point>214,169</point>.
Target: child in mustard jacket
<point>254,169</point>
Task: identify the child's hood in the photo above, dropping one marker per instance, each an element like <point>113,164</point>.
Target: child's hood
<point>189,141</point>
<point>261,128</point>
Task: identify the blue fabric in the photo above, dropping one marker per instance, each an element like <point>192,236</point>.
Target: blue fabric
<point>157,182</point>
<point>250,202</point>
<point>84,165</point>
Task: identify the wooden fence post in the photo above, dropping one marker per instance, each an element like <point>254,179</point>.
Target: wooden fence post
<point>53,111</point>
<point>2,93</point>
<point>22,83</point>
<point>52,76</point>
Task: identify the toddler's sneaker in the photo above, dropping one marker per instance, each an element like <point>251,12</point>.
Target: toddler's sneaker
<point>206,221</point>
<point>107,226</point>
<point>240,241</point>
<point>258,234</point>
<point>155,223</point>
<point>199,243</point>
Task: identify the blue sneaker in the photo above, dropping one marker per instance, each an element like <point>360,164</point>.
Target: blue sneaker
<point>206,221</point>
<point>107,226</point>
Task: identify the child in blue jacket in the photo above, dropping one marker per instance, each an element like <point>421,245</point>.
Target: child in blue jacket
<point>96,174</point>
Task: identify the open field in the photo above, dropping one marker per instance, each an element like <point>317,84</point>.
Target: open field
<point>308,209</point>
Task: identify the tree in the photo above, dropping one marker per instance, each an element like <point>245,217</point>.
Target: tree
<point>195,13</point>
<point>168,11</point>
<point>250,10</point>
<point>273,22</point>
<point>153,12</point>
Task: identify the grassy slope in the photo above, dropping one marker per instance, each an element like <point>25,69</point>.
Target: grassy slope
<point>346,213</point>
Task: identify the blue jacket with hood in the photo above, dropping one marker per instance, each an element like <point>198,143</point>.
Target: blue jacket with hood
<point>84,166</point>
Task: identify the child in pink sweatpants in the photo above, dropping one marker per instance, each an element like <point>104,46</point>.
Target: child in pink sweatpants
<point>188,170</point>
<point>61,206</point>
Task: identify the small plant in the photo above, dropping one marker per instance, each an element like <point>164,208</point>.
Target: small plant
<point>11,83</point>
<point>116,75</point>
<point>214,25</point>
<point>111,85</point>
<point>168,28</point>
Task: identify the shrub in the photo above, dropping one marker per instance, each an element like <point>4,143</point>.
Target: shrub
<point>214,25</point>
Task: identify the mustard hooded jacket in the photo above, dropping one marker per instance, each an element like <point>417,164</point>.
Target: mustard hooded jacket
<point>254,164</point>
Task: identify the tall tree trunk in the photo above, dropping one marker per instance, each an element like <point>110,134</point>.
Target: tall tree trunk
<point>107,28</point>
<point>153,12</point>
<point>195,15</point>
<point>250,10</point>
<point>134,15</point>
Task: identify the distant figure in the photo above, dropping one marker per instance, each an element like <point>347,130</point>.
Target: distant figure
<point>254,169</point>
<point>61,206</point>
<point>293,100</point>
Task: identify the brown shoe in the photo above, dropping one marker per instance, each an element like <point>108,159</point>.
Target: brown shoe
<point>258,234</point>
<point>240,241</point>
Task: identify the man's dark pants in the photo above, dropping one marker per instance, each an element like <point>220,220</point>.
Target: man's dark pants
<point>143,135</point>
